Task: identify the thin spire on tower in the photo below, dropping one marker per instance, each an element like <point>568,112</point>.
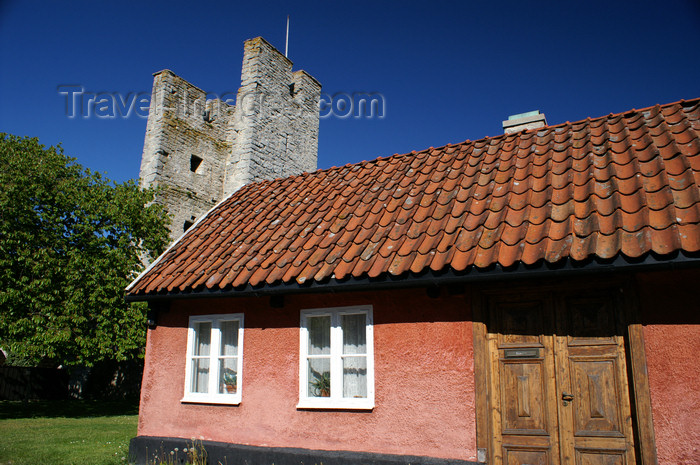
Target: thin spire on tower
<point>286,42</point>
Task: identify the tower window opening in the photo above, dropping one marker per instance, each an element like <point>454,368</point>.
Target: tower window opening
<point>195,161</point>
<point>187,225</point>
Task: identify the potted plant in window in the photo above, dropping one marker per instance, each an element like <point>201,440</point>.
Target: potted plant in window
<point>230,381</point>
<point>321,384</point>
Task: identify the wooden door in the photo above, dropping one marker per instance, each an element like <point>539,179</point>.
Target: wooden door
<point>558,390</point>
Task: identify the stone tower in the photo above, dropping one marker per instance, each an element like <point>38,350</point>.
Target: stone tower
<point>199,151</point>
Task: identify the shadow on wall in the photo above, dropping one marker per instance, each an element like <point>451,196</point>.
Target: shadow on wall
<point>409,305</point>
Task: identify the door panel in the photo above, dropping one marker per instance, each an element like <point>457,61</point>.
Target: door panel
<point>596,426</point>
<point>522,372</point>
<point>589,320</point>
<point>522,323</point>
<point>600,457</point>
<point>558,380</point>
<point>515,456</point>
<point>524,411</point>
<point>594,386</point>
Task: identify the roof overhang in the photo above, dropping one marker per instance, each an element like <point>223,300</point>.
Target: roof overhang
<point>543,269</point>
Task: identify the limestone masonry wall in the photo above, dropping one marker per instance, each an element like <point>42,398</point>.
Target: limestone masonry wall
<point>200,151</point>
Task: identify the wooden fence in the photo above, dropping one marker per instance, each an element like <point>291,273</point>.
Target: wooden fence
<point>23,383</point>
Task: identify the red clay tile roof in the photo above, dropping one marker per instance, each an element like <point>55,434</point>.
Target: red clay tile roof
<point>619,184</point>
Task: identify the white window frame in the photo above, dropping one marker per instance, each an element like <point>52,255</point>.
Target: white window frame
<point>213,396</point>
<point>336,399</point>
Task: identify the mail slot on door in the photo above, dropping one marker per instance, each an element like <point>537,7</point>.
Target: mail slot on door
<point>521,353</point>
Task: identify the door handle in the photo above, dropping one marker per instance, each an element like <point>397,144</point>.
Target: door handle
<point>566,397</point>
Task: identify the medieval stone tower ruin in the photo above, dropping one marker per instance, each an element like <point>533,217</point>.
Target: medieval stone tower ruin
<point>199,151</point>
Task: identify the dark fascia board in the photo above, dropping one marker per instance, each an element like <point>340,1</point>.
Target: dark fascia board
<point>429,278</point>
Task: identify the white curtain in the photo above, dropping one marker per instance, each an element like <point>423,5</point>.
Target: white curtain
<point>228,355</point>
<point>200,366</point>
<point>319,328</point>
<point>354,355</point>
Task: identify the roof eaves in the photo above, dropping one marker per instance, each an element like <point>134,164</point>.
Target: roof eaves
<point>176,242</point>
<point>565,267</point>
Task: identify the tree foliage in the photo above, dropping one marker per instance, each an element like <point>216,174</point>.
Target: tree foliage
<point>70,242</point>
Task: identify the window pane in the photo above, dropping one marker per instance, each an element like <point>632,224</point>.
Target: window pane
<point>202,338</point>
<point>319,335</point>
<point>229,338</point>
<point>200,375</point>
<point>319,377</point>
<point>354,334</point>
<point>354,376</point>
<point>228,376</point>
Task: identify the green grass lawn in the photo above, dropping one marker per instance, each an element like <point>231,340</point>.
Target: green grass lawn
<point>66,432</point>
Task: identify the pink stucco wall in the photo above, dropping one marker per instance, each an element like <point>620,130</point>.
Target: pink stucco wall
<point>424,381</point>
<point>671,318</point>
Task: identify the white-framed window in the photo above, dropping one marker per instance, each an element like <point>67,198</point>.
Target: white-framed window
<point>214,359</point>
<point>336,368</point>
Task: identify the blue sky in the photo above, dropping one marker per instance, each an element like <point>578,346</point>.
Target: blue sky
<point>448,71</point>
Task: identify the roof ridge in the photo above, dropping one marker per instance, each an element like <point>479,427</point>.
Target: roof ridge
<point>475,141</point>
<point>500,136</point>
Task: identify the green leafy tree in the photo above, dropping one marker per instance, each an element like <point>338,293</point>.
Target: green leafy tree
<point>70,242</point>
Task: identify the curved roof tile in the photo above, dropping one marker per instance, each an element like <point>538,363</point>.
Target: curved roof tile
<point>619,184</point>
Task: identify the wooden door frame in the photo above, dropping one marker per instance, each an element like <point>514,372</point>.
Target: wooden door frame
<point>640,397</point>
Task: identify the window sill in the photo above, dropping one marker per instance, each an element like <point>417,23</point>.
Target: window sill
<point>333,404</point>
<point>212,399</point>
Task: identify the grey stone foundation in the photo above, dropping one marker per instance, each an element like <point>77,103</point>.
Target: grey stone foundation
<point>143,449</point>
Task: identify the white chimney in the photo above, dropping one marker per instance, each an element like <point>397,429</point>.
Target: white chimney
<point>522,121</point>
